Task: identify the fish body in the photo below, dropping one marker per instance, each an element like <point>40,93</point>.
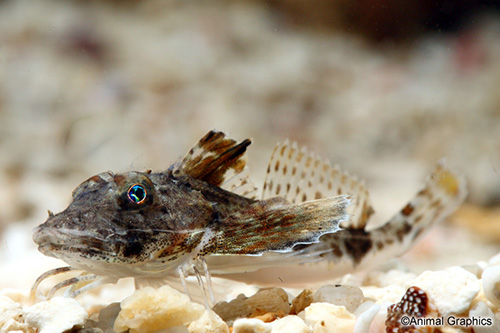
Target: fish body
<point>202,214</point>
<point>156,225</point>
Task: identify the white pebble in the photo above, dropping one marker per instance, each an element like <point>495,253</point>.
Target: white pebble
<point>251,325</point>
<point>481,310</point>
<point>495,260</point>
<point>348,296</point>
<point>491,284</point>
<point>11,314</point>
<point>290,324</point>
<point>209,322</point>
<point>392,293</point>
<point>151,309</point>
<point>451,290</point>
<point>365,314</point>
<point>46,316</point>
<point>326,317</point>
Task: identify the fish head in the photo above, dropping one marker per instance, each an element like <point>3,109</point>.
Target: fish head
<point>124,224</point>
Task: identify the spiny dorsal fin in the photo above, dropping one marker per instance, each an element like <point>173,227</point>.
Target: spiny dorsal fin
<point>299,175</point>
<point>219,161</point>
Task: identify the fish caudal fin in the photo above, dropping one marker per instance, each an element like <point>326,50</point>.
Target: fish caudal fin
<point>442,194</point>
<point>276,225</point>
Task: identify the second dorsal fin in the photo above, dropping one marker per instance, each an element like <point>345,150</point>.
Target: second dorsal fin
<point>219,161</point>
<point>299,175</point>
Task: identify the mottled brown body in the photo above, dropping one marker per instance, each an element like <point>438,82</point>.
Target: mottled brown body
<point>150,224</point>
<point>203,211</point>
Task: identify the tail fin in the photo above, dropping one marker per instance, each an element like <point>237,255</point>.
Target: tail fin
<point>276,225</point>
<point>440,197</point>
<point>351,248</point>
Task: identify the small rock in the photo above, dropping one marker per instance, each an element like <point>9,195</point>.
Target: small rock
<point>46,316</point>
<point>209,322</point>
<point>495,260</point>
<point>11,315</point>
<point>267,317</point>
<point>267,300</point>
<point>481,310</point>
<point>245,325</point>
<point>452,290</point>
<point>391,294</point>
<point>302,301</point>
<point>348,296</point>
<point>384,279</point>
<point>151,309</point>
<point>107,316</point>
<point>88,330</point>
<point>491,284</point>
<point>326,317</point>
<point>365,314</point>
<point>475,269</point>
<point>290,324</point>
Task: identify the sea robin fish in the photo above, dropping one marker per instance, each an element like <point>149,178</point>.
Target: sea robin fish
<point>202,215</point>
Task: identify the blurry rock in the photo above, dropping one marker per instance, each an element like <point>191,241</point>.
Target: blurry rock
<point>267,317</point>
<point>149,310</point>
<point>392,293</point>
<point>245,325</point>
<point>290,324</point>
<point>491,284</point>
<point>89,330</point>
<point>107,316</point>
<point>475,269</point>
<point>452,289</point>
<point>56,315</point>
<point>302,301</point>
<point>481,310</point>
<point>325,317</point>
<point>209,322</point>
<point>348,296</point>
<point>11,315</point>
<point>365,314</point>
<point>391,277</point>
<point>268,300</point>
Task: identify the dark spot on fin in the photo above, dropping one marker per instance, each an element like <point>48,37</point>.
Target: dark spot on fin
<point>403,231</point>
<point>407,210</point>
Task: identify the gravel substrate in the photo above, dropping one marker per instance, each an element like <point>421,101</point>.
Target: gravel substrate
<point>87,87</point>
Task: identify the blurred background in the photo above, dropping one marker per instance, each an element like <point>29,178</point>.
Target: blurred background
<point>383,88</point>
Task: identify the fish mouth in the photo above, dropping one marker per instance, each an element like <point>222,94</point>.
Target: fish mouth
<point>54,241</point>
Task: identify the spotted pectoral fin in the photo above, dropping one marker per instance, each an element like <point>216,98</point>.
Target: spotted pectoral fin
<point>298,175</point>
<point>276,225</point>
<point>219,161</point>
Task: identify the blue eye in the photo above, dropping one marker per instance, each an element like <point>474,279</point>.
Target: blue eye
<point>137,194</point>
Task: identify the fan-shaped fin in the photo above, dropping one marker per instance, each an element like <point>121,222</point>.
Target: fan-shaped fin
<point>299,175</point>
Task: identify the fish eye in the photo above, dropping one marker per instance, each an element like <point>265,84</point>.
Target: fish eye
<point>137,194</point>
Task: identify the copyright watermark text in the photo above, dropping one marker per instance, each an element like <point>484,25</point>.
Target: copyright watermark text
<point>449,321</point>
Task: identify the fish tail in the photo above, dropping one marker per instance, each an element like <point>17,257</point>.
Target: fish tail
<point>442,194</point>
